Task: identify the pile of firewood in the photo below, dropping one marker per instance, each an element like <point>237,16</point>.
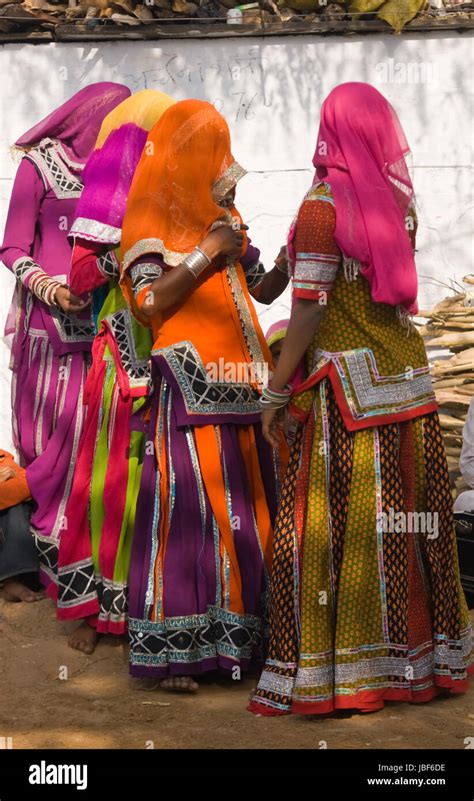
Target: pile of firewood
<point>450,327</point>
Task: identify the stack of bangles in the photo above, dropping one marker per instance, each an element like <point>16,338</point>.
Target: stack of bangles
<point>44,287</point>
<point>196,262</point>
<point>275,398</point>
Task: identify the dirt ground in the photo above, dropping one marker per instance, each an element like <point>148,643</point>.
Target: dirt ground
<point>99,706</point>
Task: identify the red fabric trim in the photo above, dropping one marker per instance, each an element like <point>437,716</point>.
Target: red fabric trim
<point>115,486</point>
<point>121,376</point>
<point>366,700</point>
<point>313,294</point>
<point>80,611</point>
<point>97,369</point>
<point>75,544</point>
<point>107,627</point>
<point>330,371</point>
<point>49,585</point>
<point>90,613</point>
<point>268,711</point>
<point>85,275</point>
<point>299,414</point>
<point>313,379</point>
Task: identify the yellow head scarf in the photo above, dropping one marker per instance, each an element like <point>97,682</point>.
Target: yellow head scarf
<point>144,108</point>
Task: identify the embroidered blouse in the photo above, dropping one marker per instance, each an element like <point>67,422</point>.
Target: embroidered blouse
<point>35,246</point>
<point>378,367</point>
<point>211,349</point>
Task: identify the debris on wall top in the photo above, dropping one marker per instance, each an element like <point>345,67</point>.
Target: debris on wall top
<point>56,20</point>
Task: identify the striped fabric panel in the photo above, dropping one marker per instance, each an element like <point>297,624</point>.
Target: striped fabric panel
<point>314,274</point>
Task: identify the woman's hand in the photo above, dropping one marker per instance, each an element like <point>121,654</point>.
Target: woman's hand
<point>6,473</point>
<point>282,258</point>
<point>224,241</point>
<point>68,302</point>
<point>271,423</point>
<point>275,281</point>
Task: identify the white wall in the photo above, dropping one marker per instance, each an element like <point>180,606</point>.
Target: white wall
<point>270,90</point>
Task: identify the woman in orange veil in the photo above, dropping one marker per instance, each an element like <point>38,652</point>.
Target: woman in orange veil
<point>206,506</point>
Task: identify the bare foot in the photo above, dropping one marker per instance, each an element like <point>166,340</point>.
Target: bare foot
<point>14,591</point>
<point>84,639</point>
<point>180,684</point>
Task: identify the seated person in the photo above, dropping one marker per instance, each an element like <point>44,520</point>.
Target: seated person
<point>18,558</point>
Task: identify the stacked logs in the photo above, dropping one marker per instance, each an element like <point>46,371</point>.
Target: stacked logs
<point>450,326</point>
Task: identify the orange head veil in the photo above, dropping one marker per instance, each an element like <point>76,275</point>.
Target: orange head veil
<point>185,171</point>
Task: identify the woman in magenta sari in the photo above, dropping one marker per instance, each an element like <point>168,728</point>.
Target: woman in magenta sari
<point>52,328</point>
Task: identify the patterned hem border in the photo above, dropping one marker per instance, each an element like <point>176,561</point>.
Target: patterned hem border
<point>82,592</point>
<point>363,700</point>
<point>195,638</point>
<point>47,549</point>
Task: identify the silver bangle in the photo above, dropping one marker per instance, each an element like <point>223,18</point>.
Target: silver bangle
<point>196,262</point>
<point>275,399</point>
<point>203,254</point>
<point>265,404</point>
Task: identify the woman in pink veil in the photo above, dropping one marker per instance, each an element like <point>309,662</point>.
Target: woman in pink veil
<point>52,328</point>
<point>366,599</point>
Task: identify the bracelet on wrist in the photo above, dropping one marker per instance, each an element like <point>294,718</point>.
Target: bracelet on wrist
<point>275,398</point>
<point>43,287</point>
<point>277,393</point>
<point>196,262</point>
<point>52,294</point>
<point>266,403</point>
<point>198,250</point>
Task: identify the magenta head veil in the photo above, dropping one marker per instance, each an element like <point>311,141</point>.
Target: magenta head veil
<point>108,174</point>
<point>107,177</point>
<point>361,151</point>
<point>76,122</point>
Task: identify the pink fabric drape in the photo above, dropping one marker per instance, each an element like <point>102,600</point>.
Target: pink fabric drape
<point>77,121</point>
<point>361,150</point>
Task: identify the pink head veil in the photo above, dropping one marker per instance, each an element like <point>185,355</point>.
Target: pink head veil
<point>76,122</point>
<point>361,151</point>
